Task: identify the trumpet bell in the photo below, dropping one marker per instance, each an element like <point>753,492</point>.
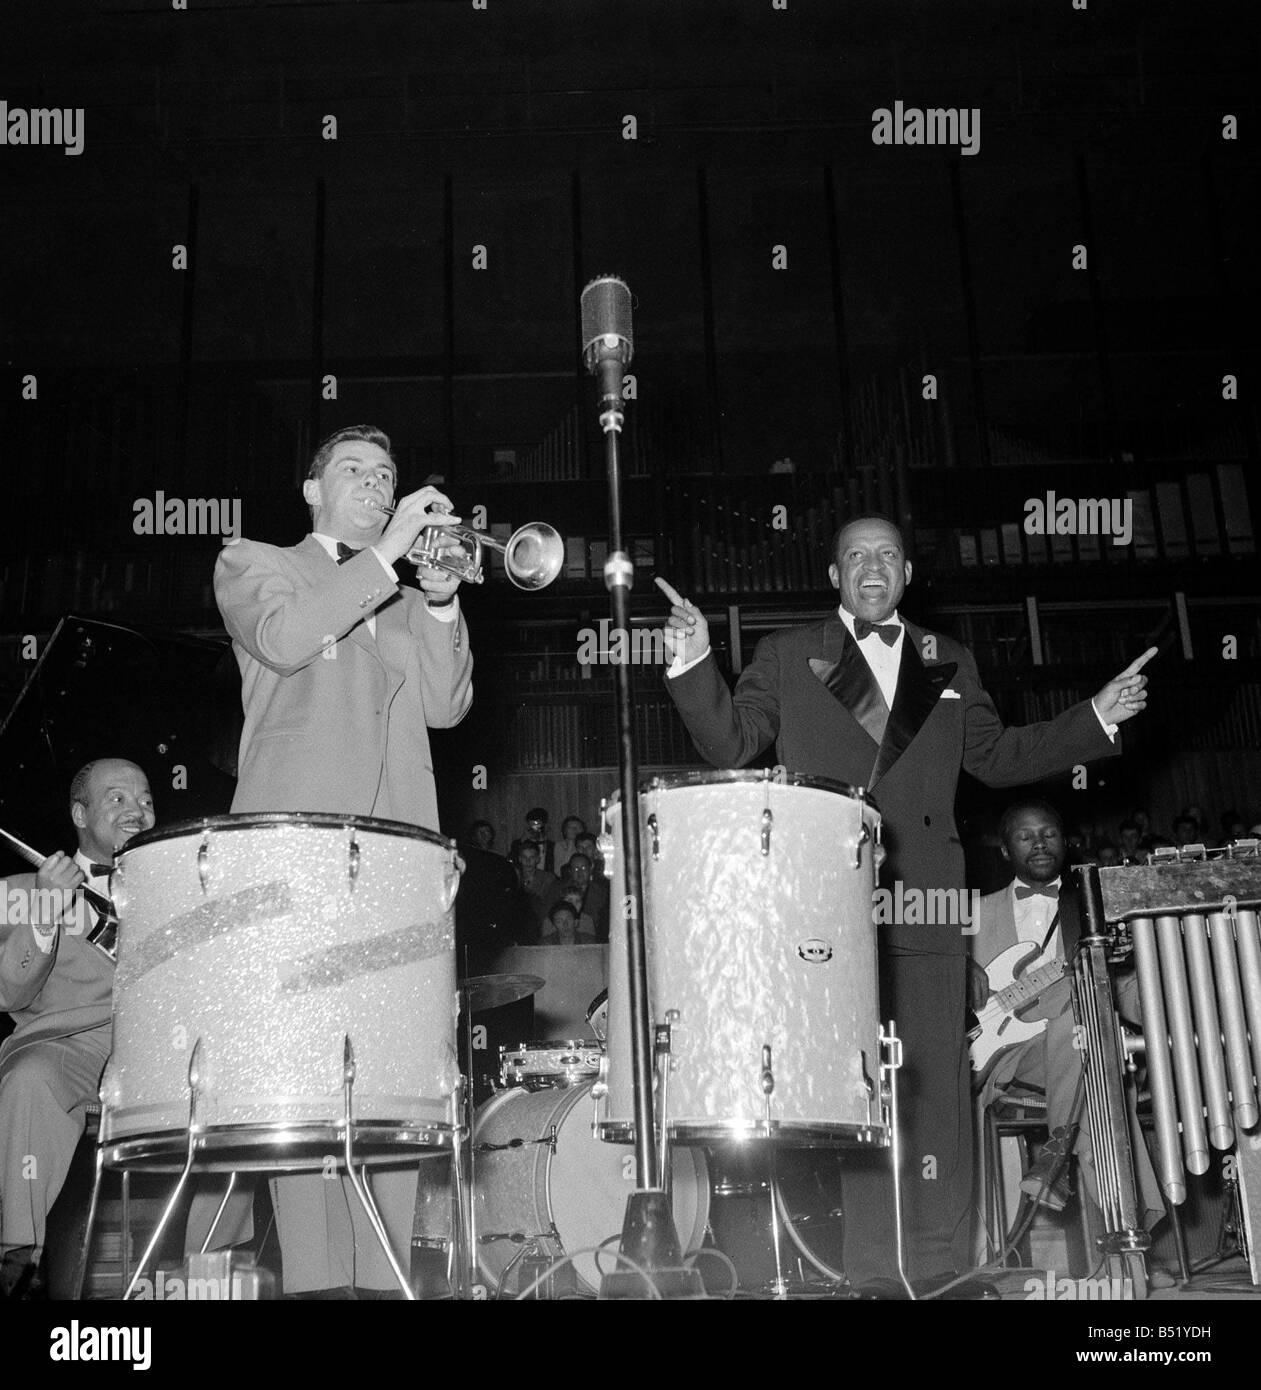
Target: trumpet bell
<point>534,555</point>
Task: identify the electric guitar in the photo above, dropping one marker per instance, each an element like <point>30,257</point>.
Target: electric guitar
<point>104,936</point>
<point>999,1023</point>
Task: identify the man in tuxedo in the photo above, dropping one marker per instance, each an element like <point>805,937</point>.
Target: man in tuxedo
<point>58,987</point>
<point>870,699</point>
<point>1035,912</point>
<point>343,672</point>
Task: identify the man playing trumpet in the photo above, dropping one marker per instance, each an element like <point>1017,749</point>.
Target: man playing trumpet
<point>343,672</point>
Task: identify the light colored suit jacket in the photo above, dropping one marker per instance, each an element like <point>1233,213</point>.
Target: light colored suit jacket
<point>995,933</point>
<point>56,994</point>
<point>335,719</point>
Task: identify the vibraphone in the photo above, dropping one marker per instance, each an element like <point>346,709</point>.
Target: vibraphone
<point>1190,918</point>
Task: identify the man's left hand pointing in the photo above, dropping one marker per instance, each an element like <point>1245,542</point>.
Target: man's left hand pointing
<point>1125,695</point>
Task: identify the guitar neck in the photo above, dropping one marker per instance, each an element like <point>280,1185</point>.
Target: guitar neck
<point>1029,986</point>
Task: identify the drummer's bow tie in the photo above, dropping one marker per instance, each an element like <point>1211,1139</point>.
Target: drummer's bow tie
<point>1035,890</point>
<point>888,631</point>
<point>345,552</point>
<point>100,870</point>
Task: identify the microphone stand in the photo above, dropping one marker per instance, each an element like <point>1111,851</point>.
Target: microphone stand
<point>648,1234</point>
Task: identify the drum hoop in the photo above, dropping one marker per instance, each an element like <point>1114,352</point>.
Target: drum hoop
<point>567,1099</point>
<point>279,820</point>
<point>720,777</point>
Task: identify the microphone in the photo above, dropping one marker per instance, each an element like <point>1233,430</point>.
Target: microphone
<point>607,344</point>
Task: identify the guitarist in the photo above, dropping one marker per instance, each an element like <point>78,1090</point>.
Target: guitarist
<point>58,987</point>
<point>1032,911</point>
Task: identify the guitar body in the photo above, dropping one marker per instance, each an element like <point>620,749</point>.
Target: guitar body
<point>998,1026</point>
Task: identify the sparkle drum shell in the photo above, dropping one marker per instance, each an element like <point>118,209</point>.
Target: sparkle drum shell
<point>759,932</point>
<point>569,1200</point>
<point>272,938</point>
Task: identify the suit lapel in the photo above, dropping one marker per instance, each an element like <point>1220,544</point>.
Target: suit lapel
<point>919,689</point>
<point>844,670</point>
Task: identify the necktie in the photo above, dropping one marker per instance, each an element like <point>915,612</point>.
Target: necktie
<point>1035,890</point>
<point>345,552</point>
<point>888,631</point>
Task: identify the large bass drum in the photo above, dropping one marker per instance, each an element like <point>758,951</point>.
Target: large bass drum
<point>546,1187</point>
<point>759,936</point>
<point>269,940</point>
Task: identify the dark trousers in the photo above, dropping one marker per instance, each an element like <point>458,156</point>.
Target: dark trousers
<point>924,996</point>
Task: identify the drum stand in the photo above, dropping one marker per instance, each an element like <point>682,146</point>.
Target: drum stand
<point>196,1142</point>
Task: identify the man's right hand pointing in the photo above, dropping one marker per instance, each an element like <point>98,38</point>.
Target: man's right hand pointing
<point>687,633</point>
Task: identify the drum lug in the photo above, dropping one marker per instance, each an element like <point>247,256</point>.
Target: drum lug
<point>663,1054</point>
<point>767,820</point>
<point>451,883</point>
<point>203,862</point>
<point>352,858</point>
<point>863,833</point>
<point>656,835</point>
<point>767,1082</point>
<point>863,836</point>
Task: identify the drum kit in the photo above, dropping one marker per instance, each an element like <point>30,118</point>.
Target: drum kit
<point>287,994</point>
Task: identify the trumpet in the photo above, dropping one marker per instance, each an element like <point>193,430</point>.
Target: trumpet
<point>533,554</point>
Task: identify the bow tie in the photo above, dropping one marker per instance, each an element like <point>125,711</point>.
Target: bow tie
<point>888,631</point>
<point>100,870</point>
<point>1035,890</point>
<point>345,552</point>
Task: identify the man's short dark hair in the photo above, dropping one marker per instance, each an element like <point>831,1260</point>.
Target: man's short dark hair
<point>1030,803</point>
<point>866,516</point>
<point>538,813</point>
<point>369,434</point>
<point>562,906</point>
<point>81,782</point>
<point>578,854</point>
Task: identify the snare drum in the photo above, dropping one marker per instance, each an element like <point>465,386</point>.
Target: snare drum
<point>759,933</point>
<point>271,939</point>
<point>568,1195</point>
<point>540,1064</point>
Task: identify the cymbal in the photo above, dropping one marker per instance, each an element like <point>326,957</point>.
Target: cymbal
<point>493,991</point>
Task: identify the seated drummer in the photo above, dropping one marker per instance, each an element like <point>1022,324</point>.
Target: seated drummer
<point>58,987</point>
<point>1034,910</point>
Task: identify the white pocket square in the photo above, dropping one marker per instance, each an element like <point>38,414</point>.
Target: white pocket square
<point>949,694</point>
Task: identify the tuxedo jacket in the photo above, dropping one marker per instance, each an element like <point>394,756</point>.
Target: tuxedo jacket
<point>810,692</point>
<point>57,994</point>
<point>336,719</point>
<point>996,933</point>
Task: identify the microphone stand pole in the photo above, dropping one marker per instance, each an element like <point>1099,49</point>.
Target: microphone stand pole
<point>648,1234</point>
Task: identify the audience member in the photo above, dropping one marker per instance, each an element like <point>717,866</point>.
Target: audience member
<point>482,834</point>
<point>536,834</point>
<point>564,927</point>
<point>535,882</point>
<point>1131,848</point>
<point>570,828</point>
<point>1186,830</point>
